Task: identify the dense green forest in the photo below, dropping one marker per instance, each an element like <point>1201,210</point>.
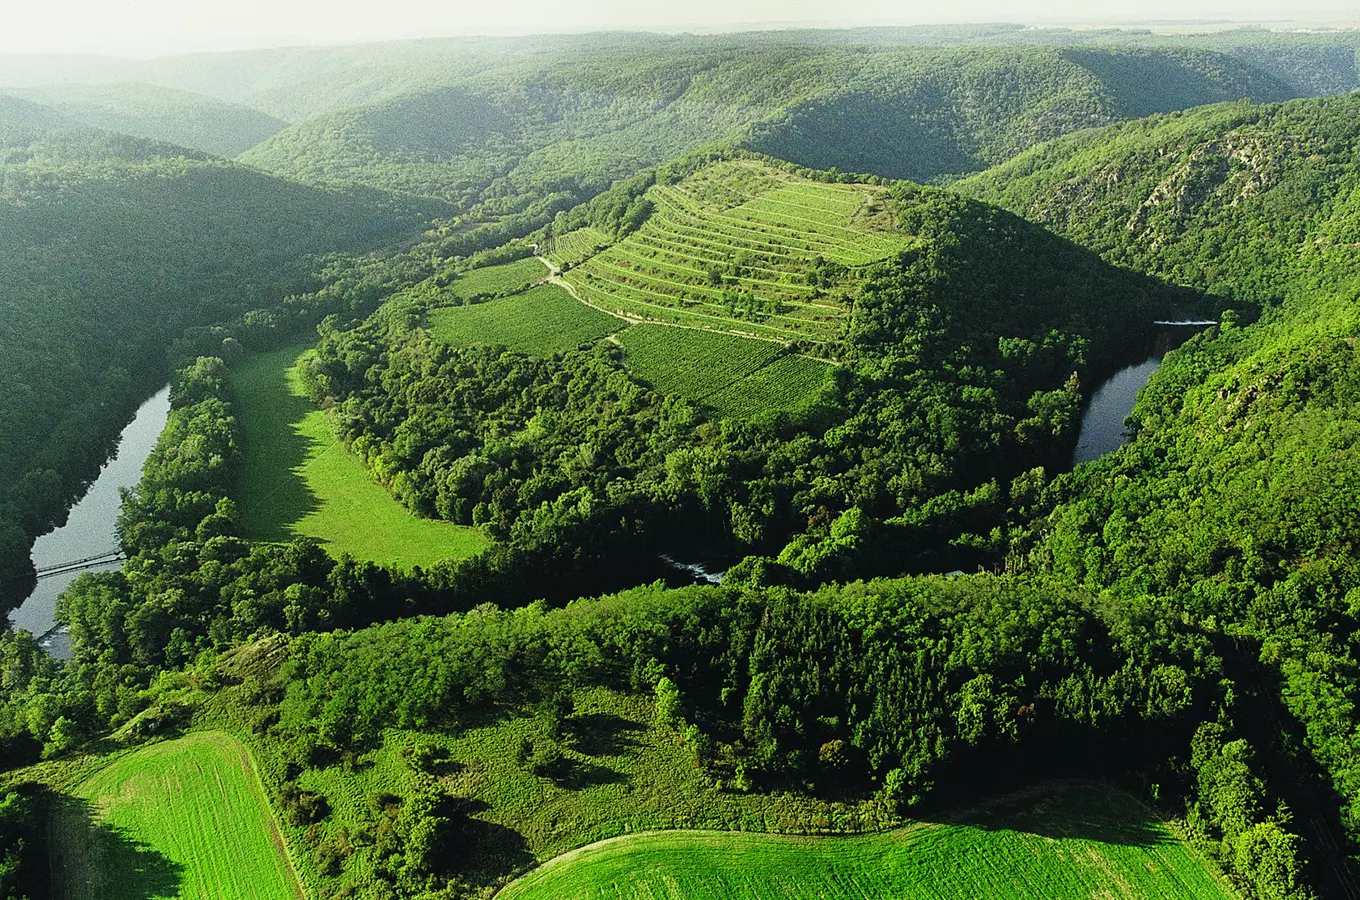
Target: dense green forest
<point>110,247</point>
<point>515,140</point>
<point>1178,617</point>
<point>1241,502</point>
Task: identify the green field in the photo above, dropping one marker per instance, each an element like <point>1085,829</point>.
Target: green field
<point>541,321</point>
<point>297,480</point>
<point>1064,843</point>
<point>729,249</point>
<point>626,774</point>
<point>734,375</point>
<point>497,281</point>
<point>186,818</point>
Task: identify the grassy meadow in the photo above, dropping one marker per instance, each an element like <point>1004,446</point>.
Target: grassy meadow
<point>297,480</point>
<point>186,818</point>
<point>1071,842</point>
<point>541,321</point>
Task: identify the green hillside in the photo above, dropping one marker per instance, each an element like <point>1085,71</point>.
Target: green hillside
<point>184,818</point>
<point>110,246</point>
<point>1237,496</point>
<point>1068,844</point>
<point>162,114</point>
<point>568,127</point>
<point>925,115</point>
<point>742,247</point>
<point>1229,198</point>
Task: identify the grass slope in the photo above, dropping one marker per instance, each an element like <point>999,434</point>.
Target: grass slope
<point>1072,842</point>
<point>185,818</point>
<point>625,774</point>
<point>298,480</point>
<point>541,321</point>
<point>733,375</point>
<point>730,247</point>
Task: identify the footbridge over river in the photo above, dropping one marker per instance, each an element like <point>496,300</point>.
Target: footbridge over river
<point>106,558</point>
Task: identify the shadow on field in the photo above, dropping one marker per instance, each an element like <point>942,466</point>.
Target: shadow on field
<point>93,859</point>
<point>1084,811</point>
<point>273,494</point>
<point>580,775</point>
<point>482,852</point>
<point>603,734</point>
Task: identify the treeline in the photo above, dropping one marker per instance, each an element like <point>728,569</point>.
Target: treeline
<point>922,692</point>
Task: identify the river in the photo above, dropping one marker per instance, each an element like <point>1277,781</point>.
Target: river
<point>1102,424</point>
<point>89,528</point>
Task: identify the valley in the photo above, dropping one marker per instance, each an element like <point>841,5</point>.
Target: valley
<point>891,462</point>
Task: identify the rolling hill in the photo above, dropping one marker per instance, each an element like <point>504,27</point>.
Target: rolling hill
<point>161,114</point>
<point>570,127</point>
<point>1237,497</point>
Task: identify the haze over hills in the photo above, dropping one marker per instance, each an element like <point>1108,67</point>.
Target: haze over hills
<point>161,114</point>
<point>590,319</point>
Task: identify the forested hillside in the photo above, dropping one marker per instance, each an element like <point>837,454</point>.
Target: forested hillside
<point>517,139</point>
<point>110,247</point>
<point>161,114</point>
<point>1238,497</point>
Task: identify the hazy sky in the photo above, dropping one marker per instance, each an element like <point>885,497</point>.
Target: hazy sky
<point>144,27</point>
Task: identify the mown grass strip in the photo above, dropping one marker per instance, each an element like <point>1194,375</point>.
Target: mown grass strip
<point>1068,843</point>
<point>183,818</point>
<point>297,480</point>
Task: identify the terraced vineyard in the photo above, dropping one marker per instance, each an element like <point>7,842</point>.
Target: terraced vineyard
<point>745,248</point>
<point>734,375</point>
<point>541,321</point>
<point>575,246</point>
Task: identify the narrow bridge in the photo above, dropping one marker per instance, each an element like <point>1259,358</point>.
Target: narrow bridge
<point>79,565</point>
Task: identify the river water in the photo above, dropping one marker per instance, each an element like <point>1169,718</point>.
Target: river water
<point>89,528</point>
<point>1102,424</point>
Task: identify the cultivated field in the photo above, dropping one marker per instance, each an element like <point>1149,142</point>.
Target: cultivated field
<point>730,248</point>
<point>575,246</point>
<point>734,375</point>
<point>541,321</point>
<point>297,480</point>
<point>497,281</point>
<point>1076,842</point>
<point>185,818</point>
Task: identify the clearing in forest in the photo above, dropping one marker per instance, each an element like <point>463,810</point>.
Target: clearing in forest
<point>1070,842</point>
<point>742,247</point>
<point>184,818</point>
<point>297,480</point>
<point>541,321</point>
